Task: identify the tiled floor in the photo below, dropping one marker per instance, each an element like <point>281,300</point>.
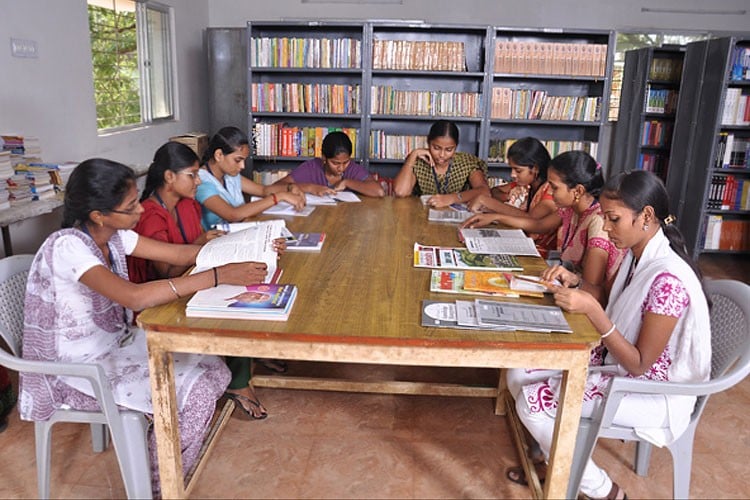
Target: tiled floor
<point>337,445</point>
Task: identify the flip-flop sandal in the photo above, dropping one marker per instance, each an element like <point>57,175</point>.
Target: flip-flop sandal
<point>275,365</point>
<point>240,399</point>
<point>518,475</point>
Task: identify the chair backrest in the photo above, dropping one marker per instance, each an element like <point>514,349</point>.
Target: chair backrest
<point>14,272</point>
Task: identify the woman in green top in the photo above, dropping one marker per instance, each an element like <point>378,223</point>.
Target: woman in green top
<point>440,171</point>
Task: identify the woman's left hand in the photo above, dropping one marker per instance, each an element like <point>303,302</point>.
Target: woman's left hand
<point>279,245</point>
<point>574,300</point>
<point>208,236</point>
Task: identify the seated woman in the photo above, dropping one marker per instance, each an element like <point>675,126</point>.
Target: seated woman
<point>79,303</point>
<point>529,192</point>
<point>222,188</point>
<point>334,172</point>
<point>656,326</point>
<point>440,171</point>
<point>171,214</point>
<point>575,182</point>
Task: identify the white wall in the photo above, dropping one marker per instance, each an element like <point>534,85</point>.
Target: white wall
<point>621,15</point>
<point>52,96</point>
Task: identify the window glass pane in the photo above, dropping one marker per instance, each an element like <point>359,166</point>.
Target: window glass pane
<point>159,63</point>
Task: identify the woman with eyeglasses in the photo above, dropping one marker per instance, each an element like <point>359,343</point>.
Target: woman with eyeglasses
<point>170,212</point>
<point>79,303</point>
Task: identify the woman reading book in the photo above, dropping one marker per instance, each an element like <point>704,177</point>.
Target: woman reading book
<point>79,303</point>
<point>528,193</point>
<point>656,326</point>
<point>575,181</point>
<point>171,214</point>
<point>442,172</point>
<point>223,187</point>
<point>334,171</point>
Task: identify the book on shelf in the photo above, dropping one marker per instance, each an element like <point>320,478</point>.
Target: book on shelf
<point>723,233</point>
<point>297,97</point>
<point>740,64</point>
<point>498,148</point>
<point>280,139</point>
<point>252,242</point>
<point>298,52</point>
<point>416,55</point>
<point>394,147</point>
<point>550,58</point>
<point>503,241</point>
<point>452,214</point>
<point>666,69</point>
<point>461,258</point>
<point>521,316</point>
<point>387,100</point>
<point>266,301</point>
<point>305,242</point>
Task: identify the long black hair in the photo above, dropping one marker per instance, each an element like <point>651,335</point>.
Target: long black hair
<point>578,167</point>
<point>530,152</point>
<point>95,184</point>
<point>228,139</point>
<point>641,188</point>
<point>172,156</point>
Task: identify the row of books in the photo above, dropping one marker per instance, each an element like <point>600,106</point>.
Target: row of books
<point>22,148</point>
<point>483,314</point>
<point>268,177</point>
<point>666,69</point>
<point>740,64</point>
<point>661,101</point>
<point>654,162</point>
<point>732,151</point>
<point>736,108</point>
<point>279,139</point>
<point>305,98</point>
<point>726,234</point>
<point>419,55</point>
<point>389,146</point>
<point>728,192</point>
<point>657,133</point>
<point>389,101</point>
<point>498,148</point>
<point>286,52</point>
<point>526,104</point>
<point>548,58</point>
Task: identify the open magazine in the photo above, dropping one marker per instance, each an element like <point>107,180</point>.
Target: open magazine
<point>254,243</point>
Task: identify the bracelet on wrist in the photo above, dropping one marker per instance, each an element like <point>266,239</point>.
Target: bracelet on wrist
<point>216,277</point>
<point>174,289</point>
<point>609,332</point>
<point>275,199</point>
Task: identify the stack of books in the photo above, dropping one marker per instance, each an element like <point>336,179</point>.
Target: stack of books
<point>23,148</point>
<point>270,302</point>
<point>485,314</point>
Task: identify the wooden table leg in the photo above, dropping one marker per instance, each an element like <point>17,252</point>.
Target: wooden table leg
<point>566,426</point>
<point>167,432</point>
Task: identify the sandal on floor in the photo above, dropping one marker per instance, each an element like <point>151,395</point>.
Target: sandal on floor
<point>275,365</point>
<point>518,475</point>
<point>615,493</point>
<point>246,405</point>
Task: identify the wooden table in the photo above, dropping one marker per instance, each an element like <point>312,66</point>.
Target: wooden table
<point>360,302</point>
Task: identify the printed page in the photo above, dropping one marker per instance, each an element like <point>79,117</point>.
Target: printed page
<point>448,215</point>
<point>522,316</point>
<point>284,208</point>
<point>254,244</point>
<point>499,241</point>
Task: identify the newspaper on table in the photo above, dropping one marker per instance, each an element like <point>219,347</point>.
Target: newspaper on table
<point>499,241</point>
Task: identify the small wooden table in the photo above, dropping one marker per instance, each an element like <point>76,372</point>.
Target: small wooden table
<point>360,302</point>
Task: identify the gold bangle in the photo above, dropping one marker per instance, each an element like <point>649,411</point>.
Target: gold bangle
<point>174,289</point>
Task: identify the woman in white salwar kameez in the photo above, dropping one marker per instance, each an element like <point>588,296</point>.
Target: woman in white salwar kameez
<point>79,303</point>
<point>656,326</point>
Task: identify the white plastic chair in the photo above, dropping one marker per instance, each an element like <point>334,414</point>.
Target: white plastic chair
<point>730,364</point>
<point>128,429</point>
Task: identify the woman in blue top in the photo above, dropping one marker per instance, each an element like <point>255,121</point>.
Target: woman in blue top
<point>222,189</point>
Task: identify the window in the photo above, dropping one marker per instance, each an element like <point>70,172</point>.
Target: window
<point>131,50</point>
<point>630,41</point>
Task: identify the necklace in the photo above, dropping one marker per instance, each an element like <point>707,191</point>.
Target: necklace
<point>631,271</point>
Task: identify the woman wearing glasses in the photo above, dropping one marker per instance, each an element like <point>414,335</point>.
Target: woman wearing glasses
<point>79,303</point>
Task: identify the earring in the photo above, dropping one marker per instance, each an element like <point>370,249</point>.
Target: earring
<point>576,197</point>
<point>645,227</point>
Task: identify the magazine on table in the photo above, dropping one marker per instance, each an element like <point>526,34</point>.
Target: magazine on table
<point>265,301</point>
<point>460,314</point>
<point>461,258</point>
<point>450,282</point>
<point>496,283</point>
<point>305,242</point>
<point>502,241</point>
<point>254,243</point>
<point>530,317</point>
<point>451,215</point>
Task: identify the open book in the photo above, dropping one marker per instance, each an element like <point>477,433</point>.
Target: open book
<point>284,208</point>
<point>254,243</point>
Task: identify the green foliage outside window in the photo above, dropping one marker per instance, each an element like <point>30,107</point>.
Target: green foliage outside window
<point>114,51</point>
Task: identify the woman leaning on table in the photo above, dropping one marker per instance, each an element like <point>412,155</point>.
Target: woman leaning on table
<point>439,170</point>
<point>223,187</point>
<point>171,214</point>
<point>79,303</point>
<point>656,326</point>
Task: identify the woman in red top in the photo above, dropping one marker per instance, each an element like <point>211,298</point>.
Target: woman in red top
<point>170,212</point>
